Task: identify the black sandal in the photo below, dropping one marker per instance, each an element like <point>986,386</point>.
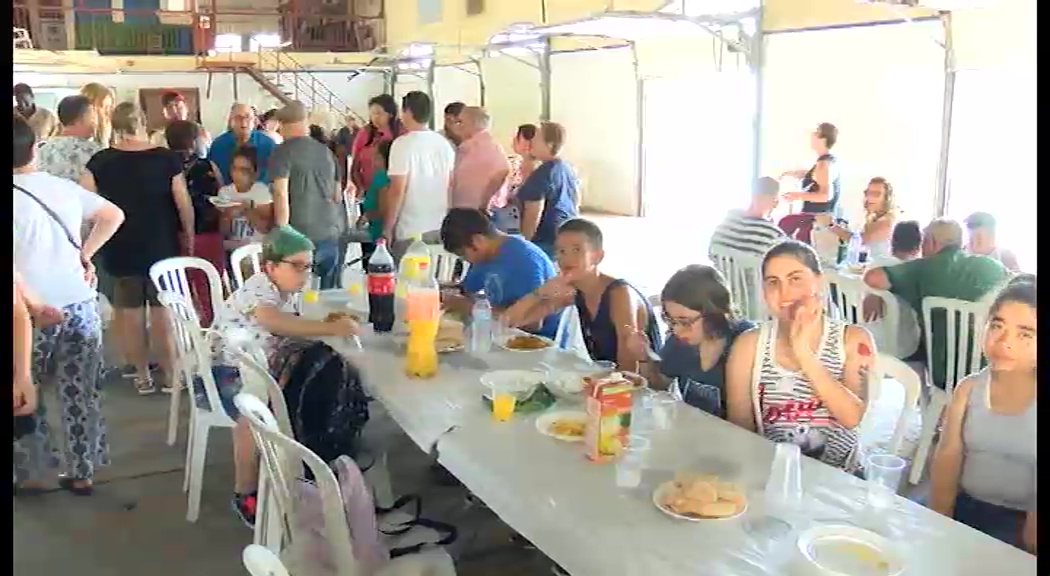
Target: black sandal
<point>145,386</point>
<point>67,483</point>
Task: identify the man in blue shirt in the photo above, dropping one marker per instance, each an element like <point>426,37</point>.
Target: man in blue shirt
<point>506,268</point>
<point>241,133</point>
<point>548,196</point>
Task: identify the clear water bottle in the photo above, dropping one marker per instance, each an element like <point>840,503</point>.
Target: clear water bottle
<point>853,250</point>
<point>481,326</point>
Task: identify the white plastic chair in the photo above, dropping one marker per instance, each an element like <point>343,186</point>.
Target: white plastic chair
<point>202,418</point>
<point>185,362</point>
<point>169,275</point>
<point>283,459</point>
<point>743,273</point>
<point>261,562</point>
<point>963,327</point>
<point>886,366</point>
<point>846,298</point>
<point>251,252</point>
<point>256,378</point>
<point>444,265</point>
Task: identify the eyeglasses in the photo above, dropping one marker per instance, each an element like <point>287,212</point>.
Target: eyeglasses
<point>299,266</point>
<point>682,322</point>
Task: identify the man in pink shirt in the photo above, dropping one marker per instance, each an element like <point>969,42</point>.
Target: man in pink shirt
<point>479,176</point>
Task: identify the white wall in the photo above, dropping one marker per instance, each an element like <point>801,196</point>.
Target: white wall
<point>214,108</point>
<point>882,86</point>
<point>456,84</point>
<point>594,95</point>
<point>512,95</point>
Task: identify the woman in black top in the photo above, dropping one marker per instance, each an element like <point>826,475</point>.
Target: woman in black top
<point>147,183</point>
<point>202,183</point>
<point>819,186</point>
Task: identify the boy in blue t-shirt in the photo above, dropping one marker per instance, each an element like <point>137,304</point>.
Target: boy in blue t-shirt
<point>506,268</point>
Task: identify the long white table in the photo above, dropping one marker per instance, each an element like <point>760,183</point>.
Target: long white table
<point>571,509</point>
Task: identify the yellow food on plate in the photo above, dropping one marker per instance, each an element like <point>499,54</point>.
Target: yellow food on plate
<point>526,343</point>
<point>573,428</point>
<point>703,496</point>
<point>333,316</point>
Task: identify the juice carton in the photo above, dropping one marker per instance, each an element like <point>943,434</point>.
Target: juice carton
<point>608,418</point>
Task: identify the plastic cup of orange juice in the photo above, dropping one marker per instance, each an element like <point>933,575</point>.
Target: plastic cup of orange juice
<point>503,403</point>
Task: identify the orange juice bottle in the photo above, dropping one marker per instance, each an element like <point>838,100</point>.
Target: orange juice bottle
<point>423,312</point>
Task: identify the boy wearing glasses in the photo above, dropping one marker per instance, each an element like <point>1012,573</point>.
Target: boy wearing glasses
<point>255,318</point>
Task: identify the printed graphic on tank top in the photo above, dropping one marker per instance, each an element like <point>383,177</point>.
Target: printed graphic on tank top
<point>787,407</point>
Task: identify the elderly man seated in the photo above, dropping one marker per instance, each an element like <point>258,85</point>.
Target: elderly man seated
<point>945,271</point>
<point>981,228</point>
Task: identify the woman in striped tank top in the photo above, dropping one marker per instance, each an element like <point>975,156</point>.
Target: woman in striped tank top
<point>801,377</point>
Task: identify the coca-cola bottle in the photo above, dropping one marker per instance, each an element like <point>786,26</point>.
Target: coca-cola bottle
<point>381,288</point>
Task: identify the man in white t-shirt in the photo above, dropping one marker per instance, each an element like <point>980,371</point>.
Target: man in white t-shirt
<point>420,170</point>
<point>53,270</point>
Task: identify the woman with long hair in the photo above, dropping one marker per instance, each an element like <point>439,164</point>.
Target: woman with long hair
<point>984,471</point>
<point>522,164</point>
<point>383,124</point>
<point>880,216</point>
<point>698,308</point>
<point>102,103</point>
<point>801,377</point>
<point>148,184</point>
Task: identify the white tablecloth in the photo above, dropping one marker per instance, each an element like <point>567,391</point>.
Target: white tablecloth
<point>571,509</point>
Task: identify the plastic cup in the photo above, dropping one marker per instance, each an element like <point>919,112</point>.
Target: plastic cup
<point>504,400</point>
<point>784,487</point>
<point>664,409</point>
<point>312,290</point>
<point>883,473</point>
<point>634,456</point>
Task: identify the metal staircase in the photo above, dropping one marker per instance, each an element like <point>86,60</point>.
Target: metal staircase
<point>283,77</point>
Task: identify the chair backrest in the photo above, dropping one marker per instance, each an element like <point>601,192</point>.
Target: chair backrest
<point>846,293</point>
<point>255,377</point>
<point>743,273</point>
<point>570,335</point>
<point>283,459</point>
<point>193,346</point>
<point>887,366</point>
<point>169,275</point>
<point>444,265</point>
<point>250,252</point>
<point>964,325</point>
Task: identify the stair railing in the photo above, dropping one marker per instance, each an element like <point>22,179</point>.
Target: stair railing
<point>304,84</point>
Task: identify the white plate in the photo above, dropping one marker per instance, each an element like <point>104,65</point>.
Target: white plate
<point>519,382</point>
<point>831,550</point>
<point>221,202</point>
<point>502,343</point>
<point>662,489</point>
<point>543,423</point>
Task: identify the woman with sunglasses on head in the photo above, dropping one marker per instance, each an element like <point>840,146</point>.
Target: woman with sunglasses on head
<point>984,471</point>
<point>263,316</point>
<point>801,377</point>
<point>698,310</point>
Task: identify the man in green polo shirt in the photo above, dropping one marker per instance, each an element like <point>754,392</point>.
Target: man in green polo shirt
<point>946,271</point>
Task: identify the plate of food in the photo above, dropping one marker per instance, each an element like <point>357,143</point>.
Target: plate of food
<point>842,550</point>
<point>567,426</point>
<point>526,343</point>
<point>339,315</point>
<point>699,498</point>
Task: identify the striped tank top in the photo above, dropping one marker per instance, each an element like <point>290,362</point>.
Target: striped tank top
<point>787,408</point>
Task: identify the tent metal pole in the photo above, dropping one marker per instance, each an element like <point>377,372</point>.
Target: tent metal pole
<point>639,103</point>
<point>430,90</point>
<point>941,194</point>
<point>545,80</point>
<point>757,58</point>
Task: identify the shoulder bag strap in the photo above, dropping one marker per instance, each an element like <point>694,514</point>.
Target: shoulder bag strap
<point>51,213</point>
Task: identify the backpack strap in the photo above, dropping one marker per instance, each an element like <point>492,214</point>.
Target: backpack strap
<point>448,533</point>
